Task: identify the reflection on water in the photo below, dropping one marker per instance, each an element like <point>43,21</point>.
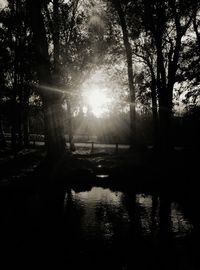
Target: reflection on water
<point>144,203</point>
<point>102,176</point>
<point>101,207</point>
<point>180,225</point>
<point>100,212</point>
<point>99,229</point>
<point>110,222</point>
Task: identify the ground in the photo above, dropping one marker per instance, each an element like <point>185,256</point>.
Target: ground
<point>141,168</point>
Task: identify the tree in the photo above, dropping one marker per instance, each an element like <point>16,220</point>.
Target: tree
<point>144,54</point>
<point>196,8</point>
<point>4,56</point>
<point>17,62</point>
<point>55,140</point>
<point>121,13</point>
<point>166,22</point>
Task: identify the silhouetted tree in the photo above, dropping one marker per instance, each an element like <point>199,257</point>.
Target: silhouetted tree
<point>17,69</point>
<point>49,92</point>
<point>161,27</point>
<point>144,53</point>
<point>4,56</point>
<point>196,7</point>
<point>120,8</point>
<point>166,22</point>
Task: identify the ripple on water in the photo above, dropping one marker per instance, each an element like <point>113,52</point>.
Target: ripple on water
<point>105,214</point>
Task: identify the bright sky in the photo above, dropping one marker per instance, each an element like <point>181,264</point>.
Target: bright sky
<point>3,3</point>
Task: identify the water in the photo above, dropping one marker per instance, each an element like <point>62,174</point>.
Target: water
<point>100,212</point>
<point>122,230</point>
<point>102,208</point>
<point>98,229</point>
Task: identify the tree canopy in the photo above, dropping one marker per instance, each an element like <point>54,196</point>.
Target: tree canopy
<point>149,51</point>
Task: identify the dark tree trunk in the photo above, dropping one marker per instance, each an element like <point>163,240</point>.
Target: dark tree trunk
<point>54,133</point>
<point>25,116</point>
<point>26,120</point>
<point>165,122</point>
<point>165,117</point>
<point>55,140</point>
<point>197,32</point>
<point>13,135</point>
<point>56,72</point>
<point>157,26</point>
<point>56,38</point>
<point>14,112</point>
<point>26,128</point>
<point>20,132</point>
<point>165,110</point>
<point>70,126</point>
<point>195,23</point>
<point>20,122</point>
<point>15,86</point>
<point>154,109</point>
<point>2,137</point>
<point>127,45</point>
<point>156,20</point>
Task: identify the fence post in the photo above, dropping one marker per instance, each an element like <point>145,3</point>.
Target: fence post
<point>117,147</point>
<point>92,147</point>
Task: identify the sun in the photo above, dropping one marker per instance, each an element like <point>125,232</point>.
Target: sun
<point>97,101</point>
<point>3,3</point>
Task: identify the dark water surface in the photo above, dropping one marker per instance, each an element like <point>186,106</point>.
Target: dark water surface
<point>96,229</point>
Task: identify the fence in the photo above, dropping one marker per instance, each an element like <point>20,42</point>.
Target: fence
<point>38,140</point>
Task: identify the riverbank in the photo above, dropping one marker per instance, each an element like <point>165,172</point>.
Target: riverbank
<point>140,168</point>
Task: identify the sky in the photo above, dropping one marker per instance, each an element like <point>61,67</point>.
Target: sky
<point>3,3</point>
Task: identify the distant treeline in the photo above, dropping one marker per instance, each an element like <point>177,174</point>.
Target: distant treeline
<point>116,129</point>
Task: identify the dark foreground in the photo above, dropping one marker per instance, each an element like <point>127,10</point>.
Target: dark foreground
<point>101,212</point>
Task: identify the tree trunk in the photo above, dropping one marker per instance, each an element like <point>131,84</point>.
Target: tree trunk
<point>20,116</point>
<point>55,140</point>
<point>196,32</point>
<point>165,115</point>
<point>2,137</point>
<point>164,98</point>
<point>25,116</point>
<point>56,38</point>
<point>14,112</point>
<point>70,127</point>
<point>195,23</point>
<point>54,133</point>
<point>56,72</point>
<point>13,135</point>
<point>130,70</point>
<point>154,109</point>
<point>26,123</point>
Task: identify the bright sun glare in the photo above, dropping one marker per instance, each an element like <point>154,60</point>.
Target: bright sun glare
<point>97,101</point>
<point>3,3</point>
